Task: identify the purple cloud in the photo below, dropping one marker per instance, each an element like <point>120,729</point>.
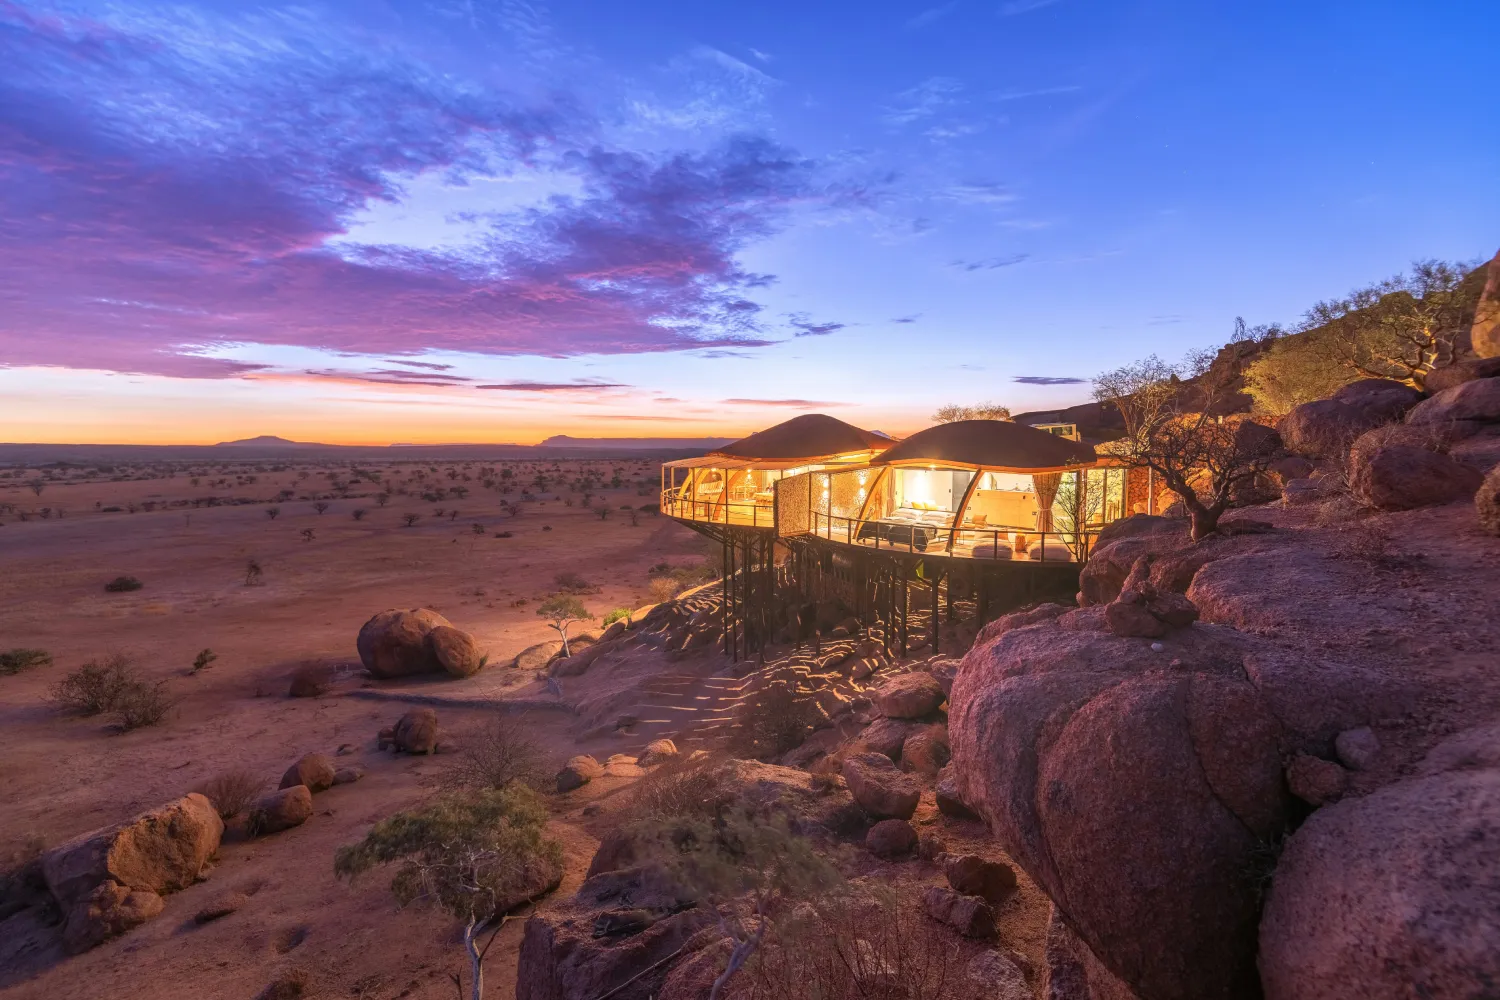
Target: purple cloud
<point>991,263</point>
<point>429,365</point>
<point>1048,380</point>
<point>579,386</point>
<point>805,327</point>
<point>800,403</point>
<point>171,189</point>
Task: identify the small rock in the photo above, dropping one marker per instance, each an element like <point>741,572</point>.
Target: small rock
<point>1314,780</point>
<point>577,772</point>
<point>281,810</point>
<point>348,775</point>
<point>1001,978</point>
<point>931,845</point>
<point>109,911</point>
<point>1357,748</point>
<point>926,751</point>
<point>417,731</point>
<point>969,915</point>
<point>891,838</point>
<point>220,906</point>
<point>992,881</point>
<point>656,752</point>
<point>314,770</point>
<point>948,801</point>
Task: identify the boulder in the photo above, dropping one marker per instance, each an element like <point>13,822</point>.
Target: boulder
<point>1393,894</point>
<point>884,736</point>
<point>1144,610</point>
<point>583,657</point>
<point>1460,372</point>
<point>94,878</point>
<point>394,643</point>
<point>949,802</point>
<point>454,650</point>
<point>1074,972</point>
<point>1020,619</point>
<point>879,788</point>
<point>969,915</point>
<point>1101,578</point>
<point>1301,492</point>
<point>577,772</point>
<point>1284,470</point>
<point>1000,977</point>
<point>1324,428</point>
<point>993,881</point>
<point>926,751</point>
<point>1460,411</point>
<point>1378,398</point>
<point>657,752</point>
<point>1484,334</point>
<point>891,838</point>
<point>538,656</point>
<point>281,810</point>
<point>1314,780</point>
<point>109,911</point>
<point>909,696</point>
<point>314,770</point>
<point>1487,503</point>
<point>1404,477</point>
<point>1357,748</point>
<point>348,775</point>
<point>417,731</point>
<point>1194,757</point>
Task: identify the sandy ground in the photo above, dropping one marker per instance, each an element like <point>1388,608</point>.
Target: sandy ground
<point>60,776</point>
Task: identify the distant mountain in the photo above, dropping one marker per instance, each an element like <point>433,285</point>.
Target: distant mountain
<point>266,441</point>
<point>633,444</point>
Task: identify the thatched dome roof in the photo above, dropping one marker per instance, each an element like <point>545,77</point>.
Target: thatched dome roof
<point>810,436</point>
<point>995,445</point>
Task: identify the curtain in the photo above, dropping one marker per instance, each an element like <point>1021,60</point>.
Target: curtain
<point>1046,486</point>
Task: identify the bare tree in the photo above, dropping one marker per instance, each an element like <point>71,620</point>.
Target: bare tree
<point>320,506</point>
<point>1179,430</point>
<point>37,485</point>
<point>979,411</point>
<point>272,512</point>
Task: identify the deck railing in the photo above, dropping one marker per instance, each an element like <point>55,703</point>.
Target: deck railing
<point>967,542</point>
<point>674,503</point>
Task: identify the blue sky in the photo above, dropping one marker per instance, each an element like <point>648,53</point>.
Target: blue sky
<point>478,220</point>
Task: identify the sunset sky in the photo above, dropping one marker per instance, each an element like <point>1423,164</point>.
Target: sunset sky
<point>384,221</point>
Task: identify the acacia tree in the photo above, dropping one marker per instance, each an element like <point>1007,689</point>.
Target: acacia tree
<point>562,612</point>
<point>979,411</point>
<point>476,854</point>
<point>1179,430</point>
<point>1400,328</point>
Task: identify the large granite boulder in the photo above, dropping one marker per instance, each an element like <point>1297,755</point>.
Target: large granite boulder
<point>1487,503</point>
<point>1137,783</point>
<point>1459,372</point>
<point>110,880</point>
<point>879,788</point>
<point>315,770</point>
<point>909,696</point>
<point>455,651</point>
<point>1397,476</point>
<point>1462,411</point>
<point>1113,557</point>
<point>394,643</point>
<point>1394,894</point>
<point>1378,398</point>
<point>1324,428</point>
<point>1484,334</point>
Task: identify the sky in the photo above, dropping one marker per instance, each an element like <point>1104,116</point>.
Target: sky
<point>392,221</point>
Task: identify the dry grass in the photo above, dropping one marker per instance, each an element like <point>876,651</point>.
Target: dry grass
<point>94,687</point>
<point>771,721</point>
<point>232,791</point>
<point>502,752</point>
<point>695,787</point>
<point>14,661</point>
<point>142,703</point>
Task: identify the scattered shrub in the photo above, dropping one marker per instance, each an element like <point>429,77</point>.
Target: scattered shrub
<point>618,614</point>
<point>253,573</point>
<point>772,721</point>
<point>204,659</point>
<point>310,680</point>
<point>502,752</point>
<point>123,584</point>
<point>141,703</point>
<point>13,661</point>
<point>93,687</point>
<point>411,519</point>
<point>694,787</point>
<point>572,583</point>
<point>232,791</point>
<point>358,513</point>
<point>502,534</point>
<point>664,588</point>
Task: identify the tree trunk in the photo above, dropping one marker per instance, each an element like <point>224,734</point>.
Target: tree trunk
<point>1205,520</point>
<point>476,961</point>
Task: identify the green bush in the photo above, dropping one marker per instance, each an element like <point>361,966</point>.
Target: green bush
<point>618,614</point>
<point>13,661</point>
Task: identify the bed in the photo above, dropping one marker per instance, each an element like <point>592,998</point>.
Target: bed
<point>907,528</point>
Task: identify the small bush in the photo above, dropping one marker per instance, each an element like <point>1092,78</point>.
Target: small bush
<point>618,614</point>
<point>141,703</point>
<point>572,583</point>
<point>94,687</point>
<point>772,721</point>
<point>502,752</point>
<point>123,584</point>
<point>697,788</point>
<point>13,661</point>
<point>232,791</point>
<point>664,588</point>
<point>204,659</point>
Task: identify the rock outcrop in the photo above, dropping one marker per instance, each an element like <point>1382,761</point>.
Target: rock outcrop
<point>111,880</point>
<point>1144,610</point>
<point>1484,334</point>
<point>1395,476</point>
<point>1394,894</point>
<point>1324,428</point>
<point>1115,555</point>
<point>1462,411</point>
<point>394,643</point>
<point>879,788</point>
<point>909,696</point>
<point>1194,759</point>
<point>1487,503</point>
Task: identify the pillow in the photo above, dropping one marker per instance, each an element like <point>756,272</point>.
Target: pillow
<point>979,519</point>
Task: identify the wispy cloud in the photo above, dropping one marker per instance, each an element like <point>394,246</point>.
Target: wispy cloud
<point>578,385</point>
<point>979,193</point>
<point>1021,95</point>
<point>799,403</point>
<point>991,263</point>
<point>174,164</point>
<point>1048,380</point>
<point>907,319</point>
<point>430,365</point>
<point>930,15</point>
<point>805,327</point>
<point>1013,7</point>
<point>928,98</point>
<point>764,57</point>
